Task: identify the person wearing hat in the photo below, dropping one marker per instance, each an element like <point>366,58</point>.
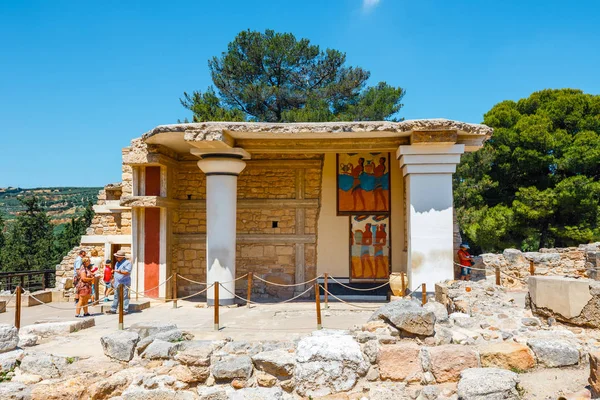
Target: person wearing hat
<point>84,287</point>
<point>466,260</point>
<point>122,277</point>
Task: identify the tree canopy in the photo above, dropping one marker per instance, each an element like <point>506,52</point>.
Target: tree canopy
<point>536,182</point>
<point>273,77</point>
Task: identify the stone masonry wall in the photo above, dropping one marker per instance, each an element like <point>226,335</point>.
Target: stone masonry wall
<point>570,261</point>
<point>267,250</point>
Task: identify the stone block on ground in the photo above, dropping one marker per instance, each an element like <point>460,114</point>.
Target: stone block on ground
<point>279,363</point>
<point>8,360</point>
<point>196,353</point>
<point>258,393</point>
<point>507,355</point>
<point>160,350</point>
<point>488,384</point>
<point>407,316</point>
<point>231,367</point>
<point>446,362</point>
<point>554,352</point>
<point>212,393</point>
<point>28,340</point>
<point>51,329</point>
<point>2,306</point>
<point>45,365</point>
<point>328,362</point>
<point>440,311</point>
<point>400,362</point>
<point>137,393</point>
<point>9,338</point>
<point>134,306</point>
<point>151,328</point>
<point>120,345</point>
<point>14,391</point>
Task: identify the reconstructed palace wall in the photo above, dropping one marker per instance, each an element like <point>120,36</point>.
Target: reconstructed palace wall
<point>277,211</point>
<point>333,247</point>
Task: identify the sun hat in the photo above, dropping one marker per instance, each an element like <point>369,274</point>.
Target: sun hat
<point>120,253</point>
<point>465,246</point>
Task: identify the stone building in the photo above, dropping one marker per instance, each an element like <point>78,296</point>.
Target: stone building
<point>288,202</point>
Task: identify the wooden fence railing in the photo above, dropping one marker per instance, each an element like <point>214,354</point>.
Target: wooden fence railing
<point>28,280</point>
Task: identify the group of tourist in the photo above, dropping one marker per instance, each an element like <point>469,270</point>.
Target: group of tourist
<point>84,280</point>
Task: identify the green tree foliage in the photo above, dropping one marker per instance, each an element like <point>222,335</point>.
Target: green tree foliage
<point>273,77</point>
<point>72,232</point>
<point>29,245</point>
<point>536,182</point>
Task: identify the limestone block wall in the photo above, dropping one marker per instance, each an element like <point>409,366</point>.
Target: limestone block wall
<point>278,207</point>
<point>578,261</point>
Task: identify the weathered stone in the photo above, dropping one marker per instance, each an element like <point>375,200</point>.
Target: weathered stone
<point>513,256</point>
<point>14,391</point>
<point>407,316</point>
<point>447,361</point>
<point>160,350</point>
<point>28,340</point>
<point>554,352</point>
<point>232,367</point>
<point>183,373</point>
<point>198,354</point>
<point>594,379</point>
<point>279,363</point>
<point>9,338</point>
<point>442,335</point>
<point>507,355</point>
<point>328,362</point>
<point>110,387</point>
<point>582,394</point>
<point>239,383</point>
<point>51,329</point>
<point>44,365</point>
<point>440,311</point>
<point>212,393</point>
<point>400,362</point>
<point>265,380</point>
<point>242,347</point>
<point>488,384</point>
<point>151,328</point>
<point>137,393</point>
<point>120,345</point>
<point>258,393</point>
<point>8,361</point>
<point>370,350</point>
<point>372,374</point>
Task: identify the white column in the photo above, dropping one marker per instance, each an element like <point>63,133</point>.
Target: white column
<point>222,172</point>
<point>428,170</point>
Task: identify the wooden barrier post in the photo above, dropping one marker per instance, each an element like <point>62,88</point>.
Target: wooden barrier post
<point>249,289</point>
<point>531,268</point>
<point>18,308</point>
<point>216,300</point>
<point>318,304</point>
<point>121,298</point>
<point>174,294</point>
<point>326,289</point>
<point>96,290</point>
<point>423,294</point>
<point>403,284</point>
<point>498,276</point>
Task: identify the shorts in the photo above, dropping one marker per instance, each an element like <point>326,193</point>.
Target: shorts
<point>107,284</point>
<point>465,271</point>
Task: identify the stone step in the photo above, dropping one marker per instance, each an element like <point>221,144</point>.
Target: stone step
<point>2,306</point>
<point>42,296</point>
<point>45,329</point>
<point>134,306</point>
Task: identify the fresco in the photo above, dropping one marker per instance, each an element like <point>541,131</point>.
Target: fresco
<point>363,181</point>
<point>369,247</point>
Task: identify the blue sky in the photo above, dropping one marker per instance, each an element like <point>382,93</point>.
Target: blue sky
<point>80,79</point>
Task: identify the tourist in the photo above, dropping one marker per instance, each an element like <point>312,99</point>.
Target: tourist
<point>76,266</point>
<point>122,279</point>
<point>84,287</point>
<point>96,262</point>
<point>108,277</point>
<point>466,261</point>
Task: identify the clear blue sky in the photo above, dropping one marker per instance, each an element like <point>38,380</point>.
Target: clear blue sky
<point>80,79</point>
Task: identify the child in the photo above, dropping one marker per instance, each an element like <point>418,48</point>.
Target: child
<point>108,272</point>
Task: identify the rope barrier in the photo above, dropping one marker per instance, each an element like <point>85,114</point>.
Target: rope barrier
<point>196,294</point>
<point>284,285</point>
<point>345,302</point>
<point>8,302</point>
<point>359,289</point>
<point>190,280</point>
<point>279,302</point>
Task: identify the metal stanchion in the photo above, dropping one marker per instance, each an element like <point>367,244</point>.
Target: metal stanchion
<point>216,300</point>
<point>174,287</point>
<point>249,289</point>
<point>498,282</point>
<point>326,289</point>
<point>18,308</point>
<point>121,298</point>
<point>423,294</point>
<point>318,304</point>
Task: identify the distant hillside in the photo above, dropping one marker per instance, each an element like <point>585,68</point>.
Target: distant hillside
<point>61,203</point>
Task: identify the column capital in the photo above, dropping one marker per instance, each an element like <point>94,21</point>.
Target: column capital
<point>429,159</point>
<point>235,152</point>
<point>222,162</point>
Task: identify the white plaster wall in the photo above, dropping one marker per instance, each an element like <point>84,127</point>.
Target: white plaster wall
<point>333,251</point>
<point>430,238</point>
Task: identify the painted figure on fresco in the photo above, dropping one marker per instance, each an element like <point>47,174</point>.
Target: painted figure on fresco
<point>369,254</point>
<point>363,182</point>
